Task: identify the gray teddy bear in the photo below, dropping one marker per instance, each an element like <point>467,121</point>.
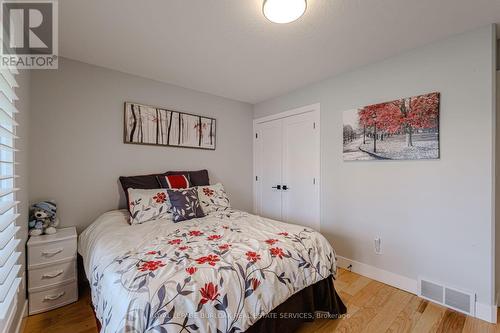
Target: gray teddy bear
<point>43,218</point>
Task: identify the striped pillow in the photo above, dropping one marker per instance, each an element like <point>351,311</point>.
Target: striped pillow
<point>174,181</point>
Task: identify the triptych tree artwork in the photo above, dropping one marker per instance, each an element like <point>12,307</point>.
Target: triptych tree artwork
<point>403,129</point>
<point>151,125</point>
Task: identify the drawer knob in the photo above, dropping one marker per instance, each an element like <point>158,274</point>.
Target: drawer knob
<point>52,253</point>
<point>54,297</point>
<point>52,275</point>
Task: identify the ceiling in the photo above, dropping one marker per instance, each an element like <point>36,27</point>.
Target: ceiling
<point>227,47</point>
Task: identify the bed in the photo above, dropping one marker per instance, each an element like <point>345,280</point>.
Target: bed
<point>229,271</point>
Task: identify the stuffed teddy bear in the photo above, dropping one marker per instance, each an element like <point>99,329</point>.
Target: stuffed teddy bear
<point>43,218</point>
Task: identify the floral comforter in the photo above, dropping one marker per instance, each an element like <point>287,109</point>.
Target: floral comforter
<point>220,273</point>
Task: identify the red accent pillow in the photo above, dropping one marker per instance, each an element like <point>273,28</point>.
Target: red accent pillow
<point>174,181</point>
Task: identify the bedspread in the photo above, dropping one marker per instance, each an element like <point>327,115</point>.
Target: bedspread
<point>220,273</point>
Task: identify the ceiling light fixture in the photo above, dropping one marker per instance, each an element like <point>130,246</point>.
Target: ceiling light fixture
<point>283,11</point>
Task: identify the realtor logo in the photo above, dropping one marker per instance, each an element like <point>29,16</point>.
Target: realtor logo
<point>29,34</point>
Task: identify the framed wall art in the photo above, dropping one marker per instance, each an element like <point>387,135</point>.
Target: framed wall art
<point>149,125</point>
<point>403,129</point>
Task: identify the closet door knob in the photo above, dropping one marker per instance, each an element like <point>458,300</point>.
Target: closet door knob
<point>278,187</point>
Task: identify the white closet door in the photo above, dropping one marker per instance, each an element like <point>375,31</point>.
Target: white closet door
<point>301,156</point>
<point>268,162</point>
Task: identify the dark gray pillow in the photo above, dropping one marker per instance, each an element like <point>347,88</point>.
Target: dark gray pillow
<point>185,204</point>
<point>143,182</point>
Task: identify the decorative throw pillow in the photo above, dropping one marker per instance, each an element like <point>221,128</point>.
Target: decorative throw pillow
<point>174,181</point>
<point>213,198</point>
<point>185,204</point>
<point>200,177</point>
<point>196,178</point>
<point>148,205</point>
<point>140,182</point>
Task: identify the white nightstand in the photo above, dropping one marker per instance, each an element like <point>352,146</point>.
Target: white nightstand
<point>52,278</point>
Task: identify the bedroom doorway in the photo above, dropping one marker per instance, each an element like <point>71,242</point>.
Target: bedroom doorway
<point>287,166</point>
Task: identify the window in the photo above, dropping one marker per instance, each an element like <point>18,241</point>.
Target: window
<point>9,255</point>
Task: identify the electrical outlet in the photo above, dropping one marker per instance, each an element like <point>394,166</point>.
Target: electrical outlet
<point>378,245</point>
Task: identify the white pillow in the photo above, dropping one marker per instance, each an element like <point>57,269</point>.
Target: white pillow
<point>148,205</point>
<point>213,198</point>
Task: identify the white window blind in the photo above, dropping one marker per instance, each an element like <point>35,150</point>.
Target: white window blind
<point>9,254</point>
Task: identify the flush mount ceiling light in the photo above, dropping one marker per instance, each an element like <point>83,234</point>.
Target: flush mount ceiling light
<point>283,11</point>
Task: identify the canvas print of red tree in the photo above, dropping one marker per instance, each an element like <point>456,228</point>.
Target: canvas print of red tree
<point>403,129</point>
<point>156,126</point>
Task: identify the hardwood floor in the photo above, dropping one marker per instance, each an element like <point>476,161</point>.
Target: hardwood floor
<point>372,307</point>
<point>74,318</point>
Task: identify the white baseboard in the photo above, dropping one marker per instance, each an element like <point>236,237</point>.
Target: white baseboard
<point>483,311</point>
<point>24,314</point>
<point>486,312</point>
<point>374,273</point>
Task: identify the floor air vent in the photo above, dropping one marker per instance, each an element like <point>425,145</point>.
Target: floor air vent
<point>431,291</point>
<point>459,300</point>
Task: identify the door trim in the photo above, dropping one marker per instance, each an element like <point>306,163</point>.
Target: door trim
<point>316,110</point>
<point>304,109</point>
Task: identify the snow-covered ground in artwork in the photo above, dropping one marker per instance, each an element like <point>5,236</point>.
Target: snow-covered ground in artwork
<point>353,153</point>
<point>425,146</point>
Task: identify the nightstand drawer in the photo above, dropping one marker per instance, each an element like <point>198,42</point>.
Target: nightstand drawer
<point>52,298</point>
<point>50,275</point>
<point>50,252</point>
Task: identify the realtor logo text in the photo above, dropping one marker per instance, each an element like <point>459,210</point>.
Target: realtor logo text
<point>29,35</point>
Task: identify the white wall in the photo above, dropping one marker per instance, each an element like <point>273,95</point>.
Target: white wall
<point>435,217</point>
<point>77,149</point>
<point>21,157</point>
